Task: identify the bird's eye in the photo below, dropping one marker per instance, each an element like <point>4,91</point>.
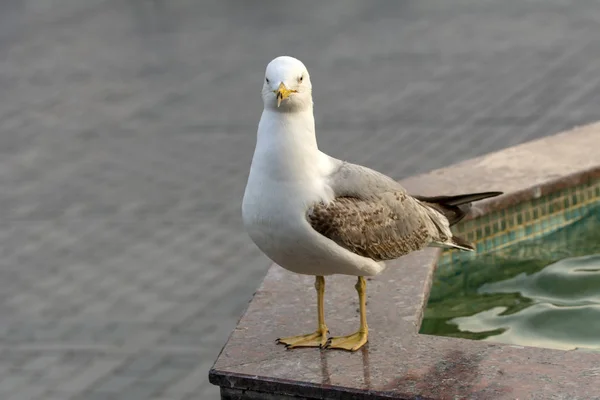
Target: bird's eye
<point>267,79</point>
<point>301,78</point>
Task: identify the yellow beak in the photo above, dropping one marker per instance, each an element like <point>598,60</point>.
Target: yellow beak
<point>282,93</point>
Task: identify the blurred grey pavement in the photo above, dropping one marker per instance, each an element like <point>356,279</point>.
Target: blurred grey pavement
<point>126,132</point>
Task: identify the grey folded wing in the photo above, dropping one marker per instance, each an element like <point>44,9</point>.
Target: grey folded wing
<point>373,216</point>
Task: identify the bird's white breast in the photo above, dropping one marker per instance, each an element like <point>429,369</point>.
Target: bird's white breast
<point>274,214</point>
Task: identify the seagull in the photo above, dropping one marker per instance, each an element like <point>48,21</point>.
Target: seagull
<point>313,214</point>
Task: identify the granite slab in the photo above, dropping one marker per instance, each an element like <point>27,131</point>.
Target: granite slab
<point>398,362</point>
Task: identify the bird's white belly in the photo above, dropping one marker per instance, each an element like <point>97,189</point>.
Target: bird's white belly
<point>276,221</point>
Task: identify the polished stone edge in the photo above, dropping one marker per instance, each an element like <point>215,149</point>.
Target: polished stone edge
<point>249,387</point>
<point>238,386</point>
<point>521,171</point>
<point>533,192</point>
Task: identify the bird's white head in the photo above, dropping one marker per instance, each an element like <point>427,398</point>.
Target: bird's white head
<point>287,87</point>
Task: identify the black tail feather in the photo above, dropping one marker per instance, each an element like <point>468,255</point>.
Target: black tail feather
<point>459,199</point>
<point>455,208</point>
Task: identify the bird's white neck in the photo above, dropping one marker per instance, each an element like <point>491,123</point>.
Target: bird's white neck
<point>286,145</point>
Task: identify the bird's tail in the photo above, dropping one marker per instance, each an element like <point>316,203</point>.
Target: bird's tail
<point>455,208</point>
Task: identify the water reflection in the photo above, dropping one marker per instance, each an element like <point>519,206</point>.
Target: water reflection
<point>545,292</point>
<point>326,375</point>
<point>366,368</point>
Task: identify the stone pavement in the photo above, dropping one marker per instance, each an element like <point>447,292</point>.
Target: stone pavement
<point>127,129</point>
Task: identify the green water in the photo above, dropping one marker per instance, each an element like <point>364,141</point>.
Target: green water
<point>543,292</point>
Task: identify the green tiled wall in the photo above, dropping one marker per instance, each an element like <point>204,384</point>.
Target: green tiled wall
<point>527,220</point>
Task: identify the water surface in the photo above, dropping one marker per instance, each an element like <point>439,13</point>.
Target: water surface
<point>543,292</point>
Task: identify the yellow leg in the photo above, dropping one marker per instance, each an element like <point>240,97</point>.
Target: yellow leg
<point>358,339</point>
<point>319,337</point>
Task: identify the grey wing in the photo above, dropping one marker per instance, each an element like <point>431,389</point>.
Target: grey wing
<point>373,216</point>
